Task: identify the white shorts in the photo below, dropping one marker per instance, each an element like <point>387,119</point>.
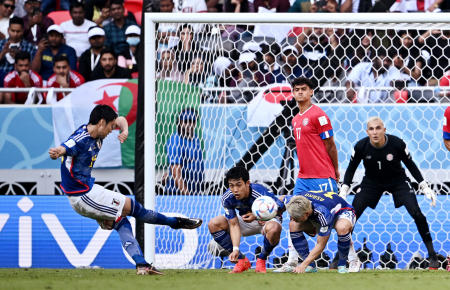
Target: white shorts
<point>99,203</point>
<point>253,228</point>
<point>348,215</point>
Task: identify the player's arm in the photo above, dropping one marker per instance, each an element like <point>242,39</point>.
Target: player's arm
<point>235,233</point>
<point>57,152</point>
<point>122,124</point>
<point>315,252</point>
<point>332,152</point>
<point>447,144</point>
<point>350,172</point>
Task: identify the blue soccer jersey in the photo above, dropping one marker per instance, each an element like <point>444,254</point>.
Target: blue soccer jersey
<point>77,163</point>
<point>326,207</point>
<point>244,206</point>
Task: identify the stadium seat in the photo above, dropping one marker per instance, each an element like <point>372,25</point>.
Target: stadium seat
<point>59,16</point>
<point>133,5</point>
<point>138,16</point>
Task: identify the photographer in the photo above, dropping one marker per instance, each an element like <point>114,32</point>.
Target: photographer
<point>10,46</point>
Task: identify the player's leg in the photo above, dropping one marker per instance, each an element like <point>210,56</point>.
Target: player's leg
<point>344,226</point>
<point>135,209</point>
<point>404,195</point>
<point>219,229</point>
<point>299,241</point>
<point>271,233</point>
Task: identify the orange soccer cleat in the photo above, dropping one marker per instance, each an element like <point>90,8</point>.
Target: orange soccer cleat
<point>241,266</point>
<point>260,266</point>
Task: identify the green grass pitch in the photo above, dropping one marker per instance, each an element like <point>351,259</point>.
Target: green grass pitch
<point>98,279</point>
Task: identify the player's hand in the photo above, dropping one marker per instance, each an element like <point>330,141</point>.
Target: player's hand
<point>234,256</point>
<point>248,217</point>
<point>429,193</point>
<point>300,269</point>
<point>54,153</point>
<point>123,136</point>
<point>344,191</point>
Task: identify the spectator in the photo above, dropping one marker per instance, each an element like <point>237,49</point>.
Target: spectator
<point>63,76</point>
<point>76,30</point>
<point>187,49</point>
<point>90,59</point>
<point>21,77</point>
<point>196,74</point>
<point>270,68</point>
<point>236,6</point>
<point>46,53</point>
<point>6,10</point>
<point>167,32</point>
<point>435,44</point>
<point>129,60</point>
<point>359,46</point>
<point>10,46</point>
<point>167,68</point>
<point>190,6</point>
<point>97,11</point>
<point>445,82</point>
<point>224,75</point>
<point>35,24</point>
<point>291,69</point>
<point>115,31</point>
<point>378,73</point>
<point>185,157</point>
<point>108,68</point>
<point>356,6</point>
<point>300,6</point>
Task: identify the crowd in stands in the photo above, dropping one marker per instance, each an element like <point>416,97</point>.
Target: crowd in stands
<point>255,56</point>
<point>98,40</point>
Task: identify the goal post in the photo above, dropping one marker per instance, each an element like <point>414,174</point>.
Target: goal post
<point>236,121</point>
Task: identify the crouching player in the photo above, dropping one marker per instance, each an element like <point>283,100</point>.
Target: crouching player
<point>227,230</point>
<point>325,211</point>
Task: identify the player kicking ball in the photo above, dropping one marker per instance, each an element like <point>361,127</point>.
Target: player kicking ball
<point>109,208</point>
<point>227,230</point>
<point>325,210</point>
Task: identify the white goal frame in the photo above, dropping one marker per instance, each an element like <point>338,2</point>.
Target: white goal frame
<point>410,21</point>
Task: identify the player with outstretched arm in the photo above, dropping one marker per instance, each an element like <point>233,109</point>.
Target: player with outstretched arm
<point>227,230</point>
<point>382,155</point>
<point>446,129</point>
<point>78,154</point>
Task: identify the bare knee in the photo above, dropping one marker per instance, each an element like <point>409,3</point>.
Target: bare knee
<point>218,223</point>
<point>343,227</point>
<point>273,231</point>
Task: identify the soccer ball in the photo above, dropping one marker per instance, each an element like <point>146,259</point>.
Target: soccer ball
<point>264,208</point>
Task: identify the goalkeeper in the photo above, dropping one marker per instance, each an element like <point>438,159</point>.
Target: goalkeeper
<point>382,154</point>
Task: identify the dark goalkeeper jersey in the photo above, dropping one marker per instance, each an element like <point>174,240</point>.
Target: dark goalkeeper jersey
<point>383,164</point>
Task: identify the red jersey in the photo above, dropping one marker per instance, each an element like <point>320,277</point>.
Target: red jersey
<point>446,129</point>
<point>309,129</point>
<point>75,80</point>
<point>12,80</point>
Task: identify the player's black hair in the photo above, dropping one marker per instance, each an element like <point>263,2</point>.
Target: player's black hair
<point>16,20</point>
<point>102,112</point>
<point>61,57</point>
<point>21,55</point>
<point>75,4</point>
<point>108,50</point>
<point>237,173</point>
<point>303,81</point>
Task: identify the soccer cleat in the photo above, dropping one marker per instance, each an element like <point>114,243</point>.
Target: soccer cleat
<point>187,223</point>
<point>354,266</point>
<point>147,269</point>
<point>260,266</point>
<point>311,269</point>
<point>342,270</point>
<point>286,268</point>
<point>434,264</point>
<point>241,266</point>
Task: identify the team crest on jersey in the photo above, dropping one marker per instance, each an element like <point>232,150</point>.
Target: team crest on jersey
<point>305,121</point>
<point>389,157</point>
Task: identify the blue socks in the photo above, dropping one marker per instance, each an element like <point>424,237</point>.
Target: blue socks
<point>343,248</point>
<point>223,238</point>
<point>129,242</point>
<point>266,249</point>
<point>149,216</point>
<point>301,245</point>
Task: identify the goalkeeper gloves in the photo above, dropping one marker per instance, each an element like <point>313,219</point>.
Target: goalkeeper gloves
<point>429,193</point>
<point>344,191</point>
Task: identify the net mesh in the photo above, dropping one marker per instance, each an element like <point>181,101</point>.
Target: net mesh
<point>227,86</point>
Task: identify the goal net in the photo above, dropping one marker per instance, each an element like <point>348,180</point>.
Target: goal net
<point>218,95</point>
